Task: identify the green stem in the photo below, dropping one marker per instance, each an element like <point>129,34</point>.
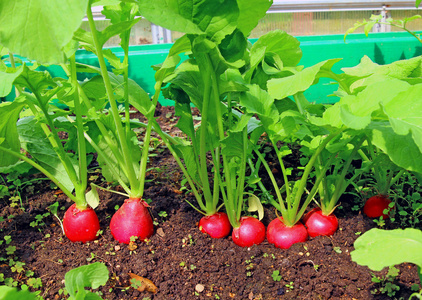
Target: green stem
<point>134,183</point>
<point>263,189</point>
<point>104,132</point>
<point>80,189</point>
<point>284,172</point>
<point>242,171</point>
<point>309,166</point>
<point>340,187</point>
<point>107,160</point>
<point>232,213</point>
<point>147,138</point>
<point>203,134</point>
<point>283,208</point>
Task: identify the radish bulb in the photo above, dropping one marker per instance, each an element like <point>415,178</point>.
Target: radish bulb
<point>216,225</point>
<point>80,225</point>
<point>375,206</point>
<point>250,232</point>
<point>283,236</point>
<point>132,219</point>
<point>319,224</point>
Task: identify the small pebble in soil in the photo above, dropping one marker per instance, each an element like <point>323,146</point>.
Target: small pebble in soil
<point>280,292</point>
<point>199,288</point>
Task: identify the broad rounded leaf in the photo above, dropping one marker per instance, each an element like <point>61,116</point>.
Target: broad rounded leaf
<point>379,248</point>
<point>40,29</point>
<point>404,112</point>
<point>93,276</point>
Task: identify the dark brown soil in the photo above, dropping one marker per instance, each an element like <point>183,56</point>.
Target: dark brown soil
<point>179,259</point>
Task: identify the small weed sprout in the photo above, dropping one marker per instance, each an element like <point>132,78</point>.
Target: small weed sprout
<point>276,275</point>
<point>386,283</point>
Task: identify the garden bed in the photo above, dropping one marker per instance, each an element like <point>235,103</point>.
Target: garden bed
<point>183,262</point>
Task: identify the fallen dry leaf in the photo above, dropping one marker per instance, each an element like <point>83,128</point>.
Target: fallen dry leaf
<point>160,232</point>
<point>132,246</point>
<point>142,284</point>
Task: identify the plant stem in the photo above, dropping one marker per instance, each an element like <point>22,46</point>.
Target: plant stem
<point>147,138</point>
<point>204,134</point>
<point>340,187</point>
<point>104,132</point>
<point>301,186</point>
<point>282,209</point>
<point>122,138</point>
<point>80,188</point>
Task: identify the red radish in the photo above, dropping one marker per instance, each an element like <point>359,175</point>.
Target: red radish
<point>216,225</point>
<point>80,225</point>
<point>283,236</point>
<point>309,213</point>
<point>132,219</point>
<point>250,232</point>
<point>375,206</point>
<point>319,224</point>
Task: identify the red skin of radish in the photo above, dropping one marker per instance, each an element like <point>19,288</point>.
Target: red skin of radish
<point>250,232</point>
<point>283,236</point>
<point>375,206</point>
<point>216,225</point>
<point>80,225</point>
<point>319,224</point>
<point>132,219</point>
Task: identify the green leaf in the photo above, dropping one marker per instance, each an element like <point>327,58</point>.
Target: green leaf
<point>9,138</point>
<point>280,88</point>
<point>40,29</point>
<point>92,276</point>
<point>400,69</point>
<point>356,111</point>
<point>401,149</point>
<point>215,19</point>
<point>404,112</point>
<point>115,29</point>
<point>7,77</point>
<point>281,43</point>
<point>38,82</point>
<point>182,45</point>
<point>11,293</point>
<point>379,248</point>
<point>34,141</point>
<point>250,12</point>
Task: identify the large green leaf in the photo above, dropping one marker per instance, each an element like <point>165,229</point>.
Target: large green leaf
<point>40,83</point>
<point>404,112</point>
<point>9,138</point>
<point>215,18</point>
<point>12,293</point>
<point>250,13</point>
<point>400,69</point>
<point>92,276</point>
<point>34,141</point>
<point>379,248</point>
<point>280,88</point>
<point>7,77</point>
<point>279,42</point>
<point>356,111</point>
<point>40,29</point>
<point>402,149</point>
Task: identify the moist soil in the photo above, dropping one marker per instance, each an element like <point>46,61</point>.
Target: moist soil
<point>182,262</point>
